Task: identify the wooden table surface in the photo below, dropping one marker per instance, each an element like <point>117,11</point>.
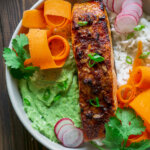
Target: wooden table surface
<point>13,136</point>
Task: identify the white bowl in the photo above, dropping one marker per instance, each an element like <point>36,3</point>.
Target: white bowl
<point>17,104</point>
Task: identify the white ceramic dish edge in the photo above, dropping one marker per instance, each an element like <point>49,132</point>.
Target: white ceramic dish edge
<point>18,106</point>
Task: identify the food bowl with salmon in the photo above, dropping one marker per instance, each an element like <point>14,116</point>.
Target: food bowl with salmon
<point>78,74</point>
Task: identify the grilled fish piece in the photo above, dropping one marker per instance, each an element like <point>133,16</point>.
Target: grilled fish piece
<point>99,81</point>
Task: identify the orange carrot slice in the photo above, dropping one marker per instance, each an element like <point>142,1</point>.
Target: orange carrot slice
<point>126,93</point>
<point>138,138</point>
<point>39,50</point>
<point>142,77</point>
<point>141,105</point>
<point>137,62</point>
<point>59,47</point>
<point>34,19</point>
<point>57,12</point>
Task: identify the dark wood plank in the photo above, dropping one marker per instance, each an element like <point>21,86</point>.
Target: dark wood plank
<point>13,136</point>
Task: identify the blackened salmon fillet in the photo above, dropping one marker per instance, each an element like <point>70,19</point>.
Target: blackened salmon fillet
<point>91,35</point>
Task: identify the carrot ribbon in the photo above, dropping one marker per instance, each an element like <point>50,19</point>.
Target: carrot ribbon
<point>34,19</point>
<point>57,13</point>
<point>40,52</point>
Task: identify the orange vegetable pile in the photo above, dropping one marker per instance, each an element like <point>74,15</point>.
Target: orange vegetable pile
<point>136,93</point>
<point>46,49</point>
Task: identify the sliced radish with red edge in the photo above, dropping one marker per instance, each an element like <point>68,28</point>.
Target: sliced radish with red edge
<point>117,6</point>
<point>73,138</point>
<point>131,12</point>
<point>135,7</point>
<point>125,23</point>
<point>63,129</point>
<point>62,122</point>
<point>110,4</point>
<point>128,2</point>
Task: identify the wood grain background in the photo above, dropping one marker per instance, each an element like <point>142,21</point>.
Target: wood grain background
<point>13,136</point>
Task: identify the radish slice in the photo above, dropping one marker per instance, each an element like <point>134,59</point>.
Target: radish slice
<point>62,122</point>
<point>110,4</point>
<point>134,6</point>
<point>73,138</point>
<point>125,23</point>
<point>117,6</point>
<point>63,129</point>
<point>132,13</point>
<point>128,2</point>
<point>105,2</point>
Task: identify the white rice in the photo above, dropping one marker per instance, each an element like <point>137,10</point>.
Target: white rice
<point>128,47</point>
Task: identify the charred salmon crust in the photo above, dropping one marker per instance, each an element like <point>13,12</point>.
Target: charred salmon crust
<point>98,81</point>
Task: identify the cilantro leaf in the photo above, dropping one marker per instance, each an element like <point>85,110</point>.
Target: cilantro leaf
<point>131,123</point>
<point>113,137</point>
<point>18,44</point>
<point>11,58</point>
<point>120,127</point>
<point>143,145</point>
<point>15,58</point>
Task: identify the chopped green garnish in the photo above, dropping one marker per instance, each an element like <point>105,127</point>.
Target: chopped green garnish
<point>57,97</point>
<point>96,58</point>
<point>15,59</point>
<point>82,23</point>
<point>62,85</point>
<point>131,35</point>
<point>26,101</point>
<point>119,128</point>
<point>46,94</point>
<point>128,60</point>
<point>95,102</point>
<point>144,55</point>
<point>139,27</point>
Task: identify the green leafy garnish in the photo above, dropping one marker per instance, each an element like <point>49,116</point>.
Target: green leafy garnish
<point>82,23</point>
<point>144,55</point>
<point>128,60</point>
<point>139,27</point>
<point>96,58</point>
<point>120,127</point>
<point>131,35</point>
<point>62,85</point>
<point>57,97</point>
<point>95,102</point>
<point>26,101</point>
<point>14,58</point>
<point>46,94</point>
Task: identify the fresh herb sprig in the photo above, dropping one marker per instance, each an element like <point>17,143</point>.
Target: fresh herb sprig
<point>14,58</point>
<point>120,127</point>
<point>96,58</point>
<point>144,55</point>
<point>139,27</point>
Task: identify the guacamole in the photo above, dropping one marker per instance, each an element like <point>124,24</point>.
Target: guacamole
<point>51,95</point>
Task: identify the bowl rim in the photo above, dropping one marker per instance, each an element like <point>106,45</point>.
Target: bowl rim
<point>36,134</point>
<point>13,91</point>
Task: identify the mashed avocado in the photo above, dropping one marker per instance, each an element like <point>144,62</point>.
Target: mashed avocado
<point>51,95</point>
